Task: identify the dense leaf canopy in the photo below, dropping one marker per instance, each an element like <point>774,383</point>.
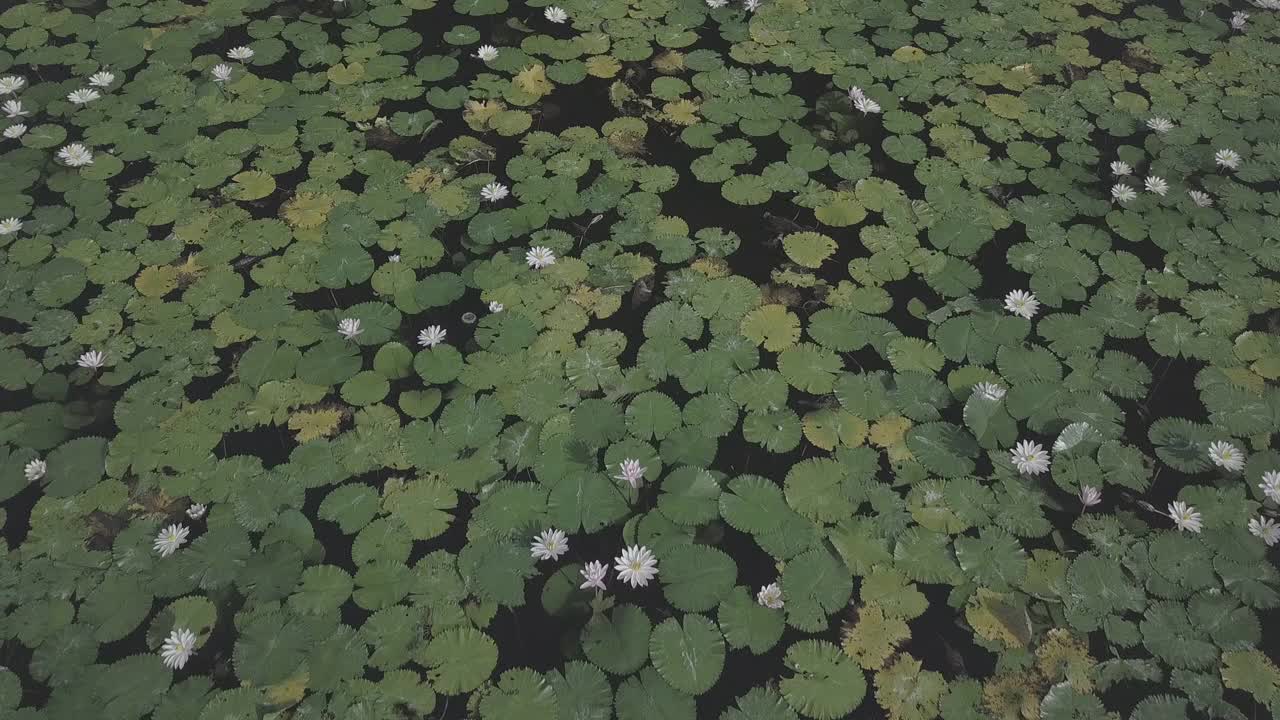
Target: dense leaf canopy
<point>921,356</point>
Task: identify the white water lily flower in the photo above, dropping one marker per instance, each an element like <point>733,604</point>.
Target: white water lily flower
<point>494,191</point>
<point>549,544</point>
<point>1201,199</point>
<point>1238,20</point>
<point>1159,124</point>
<point>170,539</point>
<point>1226,456</point>
<point>102,79</point>
<point>495,306</point>
<point>593,573</point>
<point>9,226</point>
<point>1270,485</point>
<point>76,155</point>
<point>221,72</point>
<point>866,105</point>
<point>989,391</point>
<point>487,53</point>
<point>92,359</point>
<point>1022,303</point>
<point>1119,168</point>
<point>197,511</point>
<point>1122,193</point>
<point>10,84</point>
<point>770,596</point>
<point>1156,184</point>
<point>240,53</point>
<point>1090,496</point>
<point>432,336</point>
<point>636,566</point>
<point>1185,516</point>
<point>178,648</point>
<point>861,102</point>
<point>631,471</point>
<point>1029,457</point>
<point>539,257</point>
<point>1227,158</point>
<point>751,5</point>
<point>555,14</point>
<point>13,109</point>
<point>34,470</point>
<point>349,328</point>
<point>1266,529</point>
<point>716,4</point>
<point>83,96</point>
<point>15,131</point>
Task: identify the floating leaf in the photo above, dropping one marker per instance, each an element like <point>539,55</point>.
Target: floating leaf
<point>74,466</point>
<point>824,684</point>
<point>808,248</point>
<point>688,654</point>
<point>695,577</point>
<point>746,623</point>
<point>618,643</point>
<point>520,693</point>
<point>459,660</point>
<point>647,695</point>
<point>773,326</point>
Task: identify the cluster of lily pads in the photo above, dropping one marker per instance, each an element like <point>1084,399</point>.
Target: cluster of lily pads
<point>736,359</point>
